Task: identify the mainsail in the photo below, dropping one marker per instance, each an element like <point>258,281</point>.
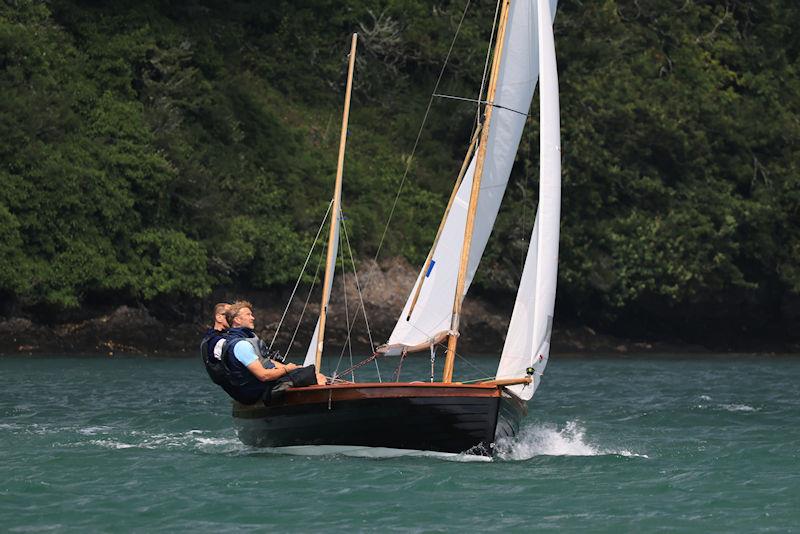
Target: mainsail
<point>430,319</point>
<point>528,340</point>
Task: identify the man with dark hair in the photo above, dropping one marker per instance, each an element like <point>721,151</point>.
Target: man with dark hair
<point>212,344</point>
<point>220,321</point>
<point>253,375</point>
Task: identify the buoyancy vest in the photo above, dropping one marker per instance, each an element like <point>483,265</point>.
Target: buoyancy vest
<point>244,385</point>
<point>211,353</point>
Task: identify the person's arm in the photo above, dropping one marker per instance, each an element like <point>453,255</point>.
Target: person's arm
<point>266,375</point>
<point>245,353</point>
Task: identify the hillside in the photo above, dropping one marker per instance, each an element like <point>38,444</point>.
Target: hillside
<point>155,154</point>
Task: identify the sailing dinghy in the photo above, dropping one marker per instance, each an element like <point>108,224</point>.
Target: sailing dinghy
<point>447,416</point>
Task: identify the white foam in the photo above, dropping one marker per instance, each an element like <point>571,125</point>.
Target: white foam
<point>737,408</point>
<point>727,407</point>
<point>142,440</point>
<point>111,444</point>
<point>218,441</point>
<point>93,430</point>
<point>548,440</point>
<point>373,452</point>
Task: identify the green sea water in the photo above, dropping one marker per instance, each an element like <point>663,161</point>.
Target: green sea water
<point>683,444</point>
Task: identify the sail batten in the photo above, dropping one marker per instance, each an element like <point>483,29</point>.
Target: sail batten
<point>516,80</point>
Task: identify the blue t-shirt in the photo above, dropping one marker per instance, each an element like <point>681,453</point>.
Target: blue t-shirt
<point>245,353</point>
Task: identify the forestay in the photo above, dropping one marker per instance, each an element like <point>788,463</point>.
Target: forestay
<point>430,319</point>
<point>528,340</point>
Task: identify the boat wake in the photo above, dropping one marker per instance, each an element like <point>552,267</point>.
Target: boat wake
<point>730,407</point>
<point>549,440</point>
<point>532,441</point>
<point>109,438</point>
<point>373,452</point>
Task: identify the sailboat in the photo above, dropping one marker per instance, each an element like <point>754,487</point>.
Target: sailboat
<point>447,416</point>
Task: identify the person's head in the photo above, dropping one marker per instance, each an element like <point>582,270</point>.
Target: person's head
<point>220,322</point>
<point>240,314</point>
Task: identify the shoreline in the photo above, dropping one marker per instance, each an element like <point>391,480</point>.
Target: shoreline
<point>107,330</point>
<point>135,332</point>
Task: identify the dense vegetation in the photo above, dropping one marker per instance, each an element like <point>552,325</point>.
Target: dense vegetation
<point>155,150</point>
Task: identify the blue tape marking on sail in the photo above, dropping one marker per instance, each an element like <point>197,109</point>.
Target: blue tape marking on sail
<point>430,268</point>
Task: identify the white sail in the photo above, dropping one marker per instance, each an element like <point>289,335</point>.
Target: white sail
<point>311,353</point>
<point>519,69</point>
<point>528,340</point>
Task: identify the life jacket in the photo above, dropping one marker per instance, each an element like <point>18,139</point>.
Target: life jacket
<point>211,352</point>
<point>242,384</point>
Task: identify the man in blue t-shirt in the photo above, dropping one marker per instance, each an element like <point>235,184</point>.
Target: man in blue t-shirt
<point>253,374</point>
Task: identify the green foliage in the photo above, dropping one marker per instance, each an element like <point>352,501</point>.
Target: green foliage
<point>167,262</point>
<point>156,150</point>
<point>679,129</point>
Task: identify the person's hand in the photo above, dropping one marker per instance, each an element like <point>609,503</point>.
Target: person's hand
<point>291,366</point>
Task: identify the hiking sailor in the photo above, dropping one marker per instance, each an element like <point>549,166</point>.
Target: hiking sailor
<point>253,376</point>
<point>211,347</point>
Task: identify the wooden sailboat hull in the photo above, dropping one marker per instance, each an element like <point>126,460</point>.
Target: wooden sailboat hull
<point>420,416</point>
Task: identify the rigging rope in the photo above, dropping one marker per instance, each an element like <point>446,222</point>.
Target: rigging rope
<point>496,106</point>
<point>360,364</point>
<point>288,304</point>
<point>302,313</point>
<point>486,63</point>
<point>419,134</point>
<point>347,343</point>
<point>361,302</point>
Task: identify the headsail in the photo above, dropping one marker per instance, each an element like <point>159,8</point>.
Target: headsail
<point>528,340</point>
<point>311,353</point>
<point>519,69</point>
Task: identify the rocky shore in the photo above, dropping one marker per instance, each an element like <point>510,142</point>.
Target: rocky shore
<point>384,289</point>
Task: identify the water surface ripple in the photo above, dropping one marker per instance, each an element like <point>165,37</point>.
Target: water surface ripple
<point>703,444</point>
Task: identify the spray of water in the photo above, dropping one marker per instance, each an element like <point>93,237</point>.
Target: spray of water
<point>549,440</point>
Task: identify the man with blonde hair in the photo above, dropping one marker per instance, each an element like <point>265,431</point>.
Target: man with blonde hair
<point>254,376</point>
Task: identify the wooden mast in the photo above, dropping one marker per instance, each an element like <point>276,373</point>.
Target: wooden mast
<point>337,197</point>
<point>452,338</point>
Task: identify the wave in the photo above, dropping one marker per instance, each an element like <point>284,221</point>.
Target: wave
<point>537,440</point>
<point>192,439</point>
<point>738,408</point>
<point>548,440</point>
<point>731,407</point>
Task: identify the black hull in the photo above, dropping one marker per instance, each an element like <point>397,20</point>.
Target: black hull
<point>439,419</point>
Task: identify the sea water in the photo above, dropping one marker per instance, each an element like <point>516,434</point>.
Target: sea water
<point>634,444</point>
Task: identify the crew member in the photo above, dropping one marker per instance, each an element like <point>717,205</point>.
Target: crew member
<point>215,334</point>
<point>211,349</point>
<point>253,375</point>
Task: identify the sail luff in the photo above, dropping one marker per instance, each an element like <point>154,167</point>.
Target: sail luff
<point>333,236</point>
<point>528,341</point>
<point>458,299</point>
